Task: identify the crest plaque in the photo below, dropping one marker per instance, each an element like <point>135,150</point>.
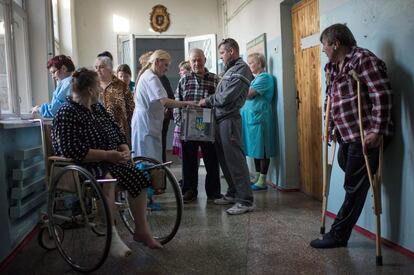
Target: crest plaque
<point>160,18</point>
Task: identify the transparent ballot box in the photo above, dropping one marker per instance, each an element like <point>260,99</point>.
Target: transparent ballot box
<point>197,124</point>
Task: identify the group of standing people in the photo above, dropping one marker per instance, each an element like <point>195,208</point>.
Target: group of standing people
<point>227,95</point>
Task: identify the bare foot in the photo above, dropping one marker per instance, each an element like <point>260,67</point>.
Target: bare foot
<point>148,240</point>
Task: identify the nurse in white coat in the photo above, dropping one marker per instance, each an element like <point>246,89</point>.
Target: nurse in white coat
<point>150,100</point>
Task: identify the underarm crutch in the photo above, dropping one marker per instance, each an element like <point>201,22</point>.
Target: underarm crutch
<point>374,180</point>
<point>327,164</point>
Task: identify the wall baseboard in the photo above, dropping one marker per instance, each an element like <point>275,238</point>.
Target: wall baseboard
<point>15,251</point>
<point>400,249</point>
<point>280,189</point>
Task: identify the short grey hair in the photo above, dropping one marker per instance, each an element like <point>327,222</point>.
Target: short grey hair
<point>197,50</point>
<point>259,58</point>
<point>106,60</point>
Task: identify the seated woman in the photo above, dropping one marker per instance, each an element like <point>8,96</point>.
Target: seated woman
<point>83,130</point>
<point>61,68</point>
<point>123,72</point>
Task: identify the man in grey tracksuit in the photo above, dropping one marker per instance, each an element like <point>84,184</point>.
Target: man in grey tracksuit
<point>229,97</point>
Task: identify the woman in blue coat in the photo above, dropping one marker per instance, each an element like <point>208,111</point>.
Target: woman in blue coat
<point>257,118</point>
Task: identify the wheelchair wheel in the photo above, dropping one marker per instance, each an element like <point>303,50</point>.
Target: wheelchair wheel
<point>46,240</point>
<point>164,220</point>
<point>73,205</point>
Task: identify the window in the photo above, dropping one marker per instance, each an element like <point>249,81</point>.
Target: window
<point>55,22</point>
<point>19,2</point>
<point>4,85</point>
<point>15,97</point>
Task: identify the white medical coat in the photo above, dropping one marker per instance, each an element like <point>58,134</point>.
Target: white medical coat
<point>148,116</point>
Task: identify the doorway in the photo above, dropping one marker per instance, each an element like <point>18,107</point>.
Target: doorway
<point>174,46</point>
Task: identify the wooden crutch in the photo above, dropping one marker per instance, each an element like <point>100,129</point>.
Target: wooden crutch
<point>375,181</point>
<point>327,164</point>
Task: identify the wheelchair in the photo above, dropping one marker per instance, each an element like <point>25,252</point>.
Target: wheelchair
<point>78,223</point>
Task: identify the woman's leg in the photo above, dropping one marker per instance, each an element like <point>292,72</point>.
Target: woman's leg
<point>109,193</point>
<point>257,166</point>
<point>264,167</point>
<point>118,247</point>
<point>142,233</point>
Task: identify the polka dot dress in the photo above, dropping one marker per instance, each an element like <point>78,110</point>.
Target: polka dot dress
<point>76,130</point>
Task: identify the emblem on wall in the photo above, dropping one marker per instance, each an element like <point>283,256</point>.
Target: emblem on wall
<point>160,18</point>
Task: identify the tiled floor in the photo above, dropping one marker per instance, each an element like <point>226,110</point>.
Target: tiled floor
<point>274,239</point>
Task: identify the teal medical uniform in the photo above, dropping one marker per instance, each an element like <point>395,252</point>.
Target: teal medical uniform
<point>257,119</point>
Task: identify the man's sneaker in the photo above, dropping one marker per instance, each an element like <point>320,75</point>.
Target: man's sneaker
<point>189,196</point>
<point>225,200</point>
<point>239,208</point>
<point>214,197</point>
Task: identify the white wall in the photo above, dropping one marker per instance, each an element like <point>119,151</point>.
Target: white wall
<point>249,18</point>
<point>94,22</point>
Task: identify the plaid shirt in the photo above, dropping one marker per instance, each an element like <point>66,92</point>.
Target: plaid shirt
<point>192,87</point>
<point>375,96</point>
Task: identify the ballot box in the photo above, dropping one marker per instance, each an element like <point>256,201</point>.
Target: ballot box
<point>197,124</point>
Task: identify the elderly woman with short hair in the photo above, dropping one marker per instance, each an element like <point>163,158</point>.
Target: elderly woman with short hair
<point>257,120</point>
<point>115,95</point>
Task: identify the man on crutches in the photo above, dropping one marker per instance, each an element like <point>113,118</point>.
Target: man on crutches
<point>350,66</point>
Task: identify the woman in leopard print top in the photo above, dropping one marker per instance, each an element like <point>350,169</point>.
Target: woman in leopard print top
<point>115,96</point>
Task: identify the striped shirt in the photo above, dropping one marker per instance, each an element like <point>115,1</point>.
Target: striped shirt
<point>192,87</point>
<point>376,96</point>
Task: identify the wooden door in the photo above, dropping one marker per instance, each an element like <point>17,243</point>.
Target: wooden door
<point>305,23</point>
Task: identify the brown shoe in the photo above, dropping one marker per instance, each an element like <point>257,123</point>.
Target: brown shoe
<point>189,196</point>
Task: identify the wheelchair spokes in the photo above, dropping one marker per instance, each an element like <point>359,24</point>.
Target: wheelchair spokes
<point>164,209</point>
<point>82,215</point>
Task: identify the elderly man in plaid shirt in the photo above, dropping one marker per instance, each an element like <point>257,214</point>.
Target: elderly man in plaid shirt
<point>344,57</point>
<point>196,85</point>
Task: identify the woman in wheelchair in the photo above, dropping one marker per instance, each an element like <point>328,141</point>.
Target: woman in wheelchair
<point>84,131</point>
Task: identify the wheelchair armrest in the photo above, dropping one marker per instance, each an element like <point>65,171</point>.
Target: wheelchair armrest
<point>63,159</point>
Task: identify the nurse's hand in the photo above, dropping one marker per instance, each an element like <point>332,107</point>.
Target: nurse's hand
<point>202,103</point>
<point>191,104</point>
